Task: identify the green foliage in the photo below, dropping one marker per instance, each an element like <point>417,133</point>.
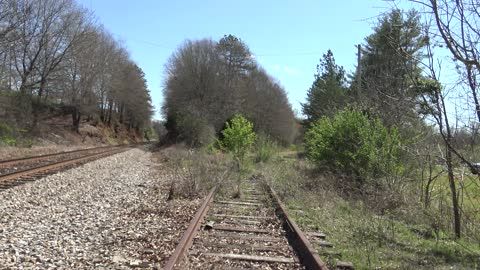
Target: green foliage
<point>213,80</point>
<point>238,137</point>
<point>265,148</point>
<point>390,59</point>
<point>149,133</point>
<point>212,148</point>
<point>328,93</point>
<point>194,130</point>
<point>355,144</point>
<point>7,135</point>
<point>362,236</point>
<point>431,91</point>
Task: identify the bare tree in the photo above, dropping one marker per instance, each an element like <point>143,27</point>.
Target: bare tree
<point>80,70</point>
<point>433,103</point>
<point>53,55</point>
<point>457,24</point>
<point>266,105</point>
<point>208,82</point>
<point>194,100</point>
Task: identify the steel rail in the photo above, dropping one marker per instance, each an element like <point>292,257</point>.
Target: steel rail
<point>4,163</point>
<point>308,256</point>
<point>299,242</point>
<point>192,230</point>
<point>57,165</point>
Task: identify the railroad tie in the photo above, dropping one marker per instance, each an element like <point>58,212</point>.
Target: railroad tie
<point>242,217</point>
<point>238,221</point>
<point>344,265</point>
<point>218,234</point>
<point>239,203</point>
<point>255,247</point>
<point>317,235</point>
<point>239,229</point>
<point>243,257</point>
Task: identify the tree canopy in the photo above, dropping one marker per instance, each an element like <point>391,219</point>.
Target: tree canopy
<point>54,56</point>
<point>208,82</point>
<point>388,66</point>
<point>328,92</point>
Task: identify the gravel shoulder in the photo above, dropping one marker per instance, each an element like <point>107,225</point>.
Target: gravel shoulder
<point>106,214</point>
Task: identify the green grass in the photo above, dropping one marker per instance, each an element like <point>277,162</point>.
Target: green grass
<point>468,188</point>
<point>368,240</point>
<point>12,136</point>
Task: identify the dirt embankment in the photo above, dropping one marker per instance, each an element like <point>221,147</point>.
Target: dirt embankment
<point>56,135</point>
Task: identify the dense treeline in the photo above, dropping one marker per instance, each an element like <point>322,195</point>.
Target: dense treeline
<point>208,82</point>
<point>397,81</point>
<point>389,63</point>
<point>54,58</point>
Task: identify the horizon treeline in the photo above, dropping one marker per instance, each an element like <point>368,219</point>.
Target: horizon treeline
<point>56,59</point>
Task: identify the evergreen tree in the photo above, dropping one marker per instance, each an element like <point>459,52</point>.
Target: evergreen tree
<point>328,93</point>
<point>389,63</point>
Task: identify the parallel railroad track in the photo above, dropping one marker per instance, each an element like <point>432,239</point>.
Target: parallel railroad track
<point>254,232</point>
<point>15,172</point>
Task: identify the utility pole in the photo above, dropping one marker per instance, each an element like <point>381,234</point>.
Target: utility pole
<point>359,72</point>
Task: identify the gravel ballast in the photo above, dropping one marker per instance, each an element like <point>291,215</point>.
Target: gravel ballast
<point>106,214</point>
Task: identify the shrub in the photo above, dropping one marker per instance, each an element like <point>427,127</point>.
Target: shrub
<point>265,148</point>
<point>355,144</point>
<point>7,135</point>
<point>196,131</point>
<point>238,137</point>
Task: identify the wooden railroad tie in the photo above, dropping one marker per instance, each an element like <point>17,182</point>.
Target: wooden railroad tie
<point>243,257</point>
<point>239,203</point>
<point>219,234</point>
<point>240,229</point>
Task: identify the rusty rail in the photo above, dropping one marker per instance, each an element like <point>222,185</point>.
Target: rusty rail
<point>308,256</point>
<point>299,242</point>
<point>9,162</point>
<point>187,238</point>
<point>8,178</point>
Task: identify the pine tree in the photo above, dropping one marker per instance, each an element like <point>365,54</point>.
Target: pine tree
<point>328,92</point>
<point>389,63</point>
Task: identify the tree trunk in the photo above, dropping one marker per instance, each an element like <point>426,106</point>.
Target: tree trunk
<point>427,186</point>
<point>120,112</point>
<point>76,120</point>
<point>448,158</point>
<point>37,104</point>
<point>109,114</point>
<point>453,190</point>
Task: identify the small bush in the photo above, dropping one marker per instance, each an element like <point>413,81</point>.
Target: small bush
<point>193,171</point>
<point>265,149</point>
<point>7,135</point>
<point>196,132</point>
<point>238,137</point>
<point>354,144</point>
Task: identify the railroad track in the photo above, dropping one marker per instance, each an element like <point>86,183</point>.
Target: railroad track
<point>253,232</point>
<point>18,171</point>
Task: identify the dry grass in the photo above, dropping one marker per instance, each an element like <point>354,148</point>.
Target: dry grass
<point>194,172</point>
<point>368,231</point>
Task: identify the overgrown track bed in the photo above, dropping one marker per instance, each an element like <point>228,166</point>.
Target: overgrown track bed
<point>21,170</point>
<point>253,232</point>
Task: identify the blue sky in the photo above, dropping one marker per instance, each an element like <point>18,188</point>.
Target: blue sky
<point>287,37</point>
